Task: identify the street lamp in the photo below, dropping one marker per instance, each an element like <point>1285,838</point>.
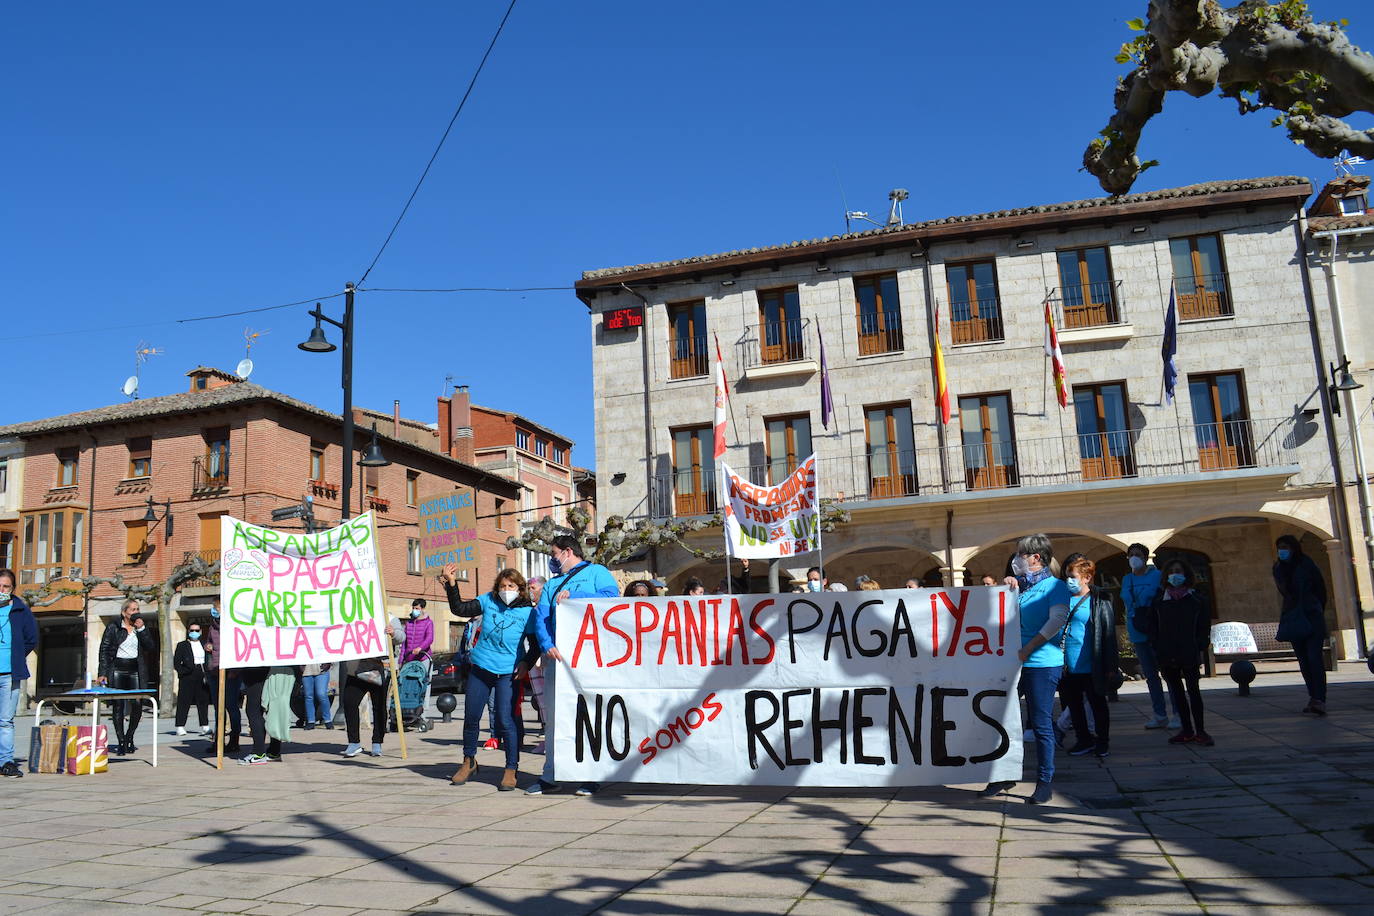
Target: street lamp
<point>1341,380</point>
<point>372,455</point>
<point>318,343</point>
<point>151,517</point>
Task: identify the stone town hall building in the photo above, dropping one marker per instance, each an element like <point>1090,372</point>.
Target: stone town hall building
<point>1241,455</point>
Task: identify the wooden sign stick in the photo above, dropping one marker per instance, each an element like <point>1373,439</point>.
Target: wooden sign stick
<point>219,721</point>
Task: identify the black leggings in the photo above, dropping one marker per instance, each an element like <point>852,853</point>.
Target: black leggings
<point>254,679</point>
<point>192,690</point>
<point>1189,712</point>
<point>353,692</point>
<point>1074,689</point>
<point>124,676</point>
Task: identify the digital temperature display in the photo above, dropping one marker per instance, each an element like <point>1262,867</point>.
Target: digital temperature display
<point>625,318</point>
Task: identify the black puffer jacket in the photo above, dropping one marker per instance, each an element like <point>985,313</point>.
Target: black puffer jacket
<point>1179,628</point>
<point>1302,587</point>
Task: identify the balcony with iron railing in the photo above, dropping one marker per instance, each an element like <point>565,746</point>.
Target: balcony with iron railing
<point>688,357</point>
<point>1203,296</point>
<point>209,472</point>
<point>788,346</point>
<point>1088,305</point>
<point>209,556</point>
<point>991,465</point>
<point>975,321</point>
<point>880,332</point>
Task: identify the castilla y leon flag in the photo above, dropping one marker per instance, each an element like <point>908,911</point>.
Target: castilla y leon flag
<point>722,398</point>
<point>941,380</point>
<point>1061,390</point>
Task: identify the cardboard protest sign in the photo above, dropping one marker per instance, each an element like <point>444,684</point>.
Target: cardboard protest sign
<point>880,688</point>
<point>448,531</point>
<point>767,522</point>
<point>1232,639</point>
<point>291,598</point>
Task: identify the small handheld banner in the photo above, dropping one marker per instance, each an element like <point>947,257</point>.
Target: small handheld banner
<point>876,688</point>
<point>770,522</point>
<point>448,531</point>
<point>290,598</point>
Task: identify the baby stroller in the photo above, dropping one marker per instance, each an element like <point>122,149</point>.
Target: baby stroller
<point>413,687</point>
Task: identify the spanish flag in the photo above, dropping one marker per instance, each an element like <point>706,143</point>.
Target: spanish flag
<point>1061,390</point>
<point>941,380</point>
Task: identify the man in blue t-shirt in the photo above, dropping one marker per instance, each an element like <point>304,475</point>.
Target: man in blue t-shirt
<point>577,579</point>
<point>1138,590</point>
<point>18,637</point>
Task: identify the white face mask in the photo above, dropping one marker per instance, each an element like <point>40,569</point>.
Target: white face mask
<point>510,596</point>
<point>1020,566</point>
<point>1136,562</point>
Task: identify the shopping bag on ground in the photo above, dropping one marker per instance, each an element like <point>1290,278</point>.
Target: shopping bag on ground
<point>48,749</point>
<point>81,750</point>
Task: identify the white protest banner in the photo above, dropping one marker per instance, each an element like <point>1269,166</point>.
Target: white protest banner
<point>291,598</point>
<point>1232,638</point>
<point>880,688</point>
<point>767,522</point>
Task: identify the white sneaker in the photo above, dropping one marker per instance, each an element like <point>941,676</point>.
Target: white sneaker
<point>205,729</point>
<point>1158,722</point>
<point>180,730</point>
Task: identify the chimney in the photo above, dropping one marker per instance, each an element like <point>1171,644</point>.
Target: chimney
<point>396,419</point>
<point>461,447</point>
<point>445,430</point>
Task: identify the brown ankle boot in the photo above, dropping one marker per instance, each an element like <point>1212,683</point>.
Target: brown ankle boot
<point>465,772</point>
<point>507,781</point>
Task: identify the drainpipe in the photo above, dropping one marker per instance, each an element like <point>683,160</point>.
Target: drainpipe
<point>1342,503</point>
<point>90,560</point>
<point>648,418</point>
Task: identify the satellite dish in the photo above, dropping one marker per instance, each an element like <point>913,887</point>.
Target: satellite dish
<point>131,386</point>
<point>244,368</point>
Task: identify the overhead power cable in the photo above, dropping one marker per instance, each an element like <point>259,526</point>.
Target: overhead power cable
<point>423,175</point>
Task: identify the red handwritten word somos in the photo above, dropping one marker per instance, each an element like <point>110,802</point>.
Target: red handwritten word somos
<point>677,731</point>
<point>702,631</point>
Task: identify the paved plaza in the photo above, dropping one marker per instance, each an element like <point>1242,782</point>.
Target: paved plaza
<point>1278,817</point>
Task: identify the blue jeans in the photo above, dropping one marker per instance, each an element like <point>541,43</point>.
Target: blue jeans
<point>1041,685</point>
<point>1309,653</point>
<point>316,690</point>
<point>482,684</point>
<point>1149,670</point>
<point>9,702</point>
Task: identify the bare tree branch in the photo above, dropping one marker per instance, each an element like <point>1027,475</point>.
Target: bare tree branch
<point>1266,56</point>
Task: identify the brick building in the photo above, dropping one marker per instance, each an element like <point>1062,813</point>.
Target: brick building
<point>225,446</point>
<point>1240,455</point>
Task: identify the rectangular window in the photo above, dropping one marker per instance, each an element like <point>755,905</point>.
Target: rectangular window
<point>989,449</point>
<point>501,563</point>
<point>1086,289</point>
<point>413,556</point>
<point>1105,448</point>
<point>522,439</point>
<point>135,541</point>
<point>1221,422</point>
<point>541,448</point>
<point>317,460</point>
<point>67,466</point>
<point>52,546</point>
<point>879,313</point>
<point>560,454</point>
<point>141,456</point>
<point>412,487</point>
<point>788,440</point>
<point>1354,206</point>
<point>688,354</point>
<point>558,510</point>
<point>501,514</point>
<point>780,325</point>
<point>694,471</point>
<point>891,451</point>
<point>975,315</point>
<point>4,474</point>
<point>217,455</point>
<point>1199,277</point>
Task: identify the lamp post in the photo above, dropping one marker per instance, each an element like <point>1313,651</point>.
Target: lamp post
<point>318,343</point>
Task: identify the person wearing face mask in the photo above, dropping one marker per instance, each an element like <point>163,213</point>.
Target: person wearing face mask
<point>233,693</point>
<point>1043,600</point>
<point>18,637</point>
<point>419,638</point>
<point>1138,590</point>
<point>1179,625</point>
<point>124,651</point>
<point>816,580</point>
<point>507,621</point>
<point>577,579</point>
<point>190,659</point>
<point>1090,659</point>
<point>1302,619</point>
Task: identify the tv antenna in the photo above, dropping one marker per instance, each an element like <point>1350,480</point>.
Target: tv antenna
<point>1345,165</point>
<point>245,366</point>
<point>448,386</point>
<point>141,355</point>
<point>894,214</point>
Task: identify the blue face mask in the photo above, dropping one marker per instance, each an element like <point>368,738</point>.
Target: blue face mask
<point>555,567</point>
<point>1073,585</point>
<point>813,585</point>
<point>1285,554</point>
<point>194,634</point>
<point>1177,579</point>
<point>214,614</point>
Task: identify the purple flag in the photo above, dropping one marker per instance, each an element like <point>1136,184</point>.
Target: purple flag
<point>1167,349</point>
<point>827,401</point>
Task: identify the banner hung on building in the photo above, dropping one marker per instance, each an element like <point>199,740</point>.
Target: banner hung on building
<point>291,598</point>
<point>777,521</point>
<point>882,688</point>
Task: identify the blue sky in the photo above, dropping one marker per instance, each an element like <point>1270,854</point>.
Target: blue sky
<point>169,160</point>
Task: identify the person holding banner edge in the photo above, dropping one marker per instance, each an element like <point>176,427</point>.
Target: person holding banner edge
<point>1043,600</point>
<point>507,620</point>
<point>578,579</point>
